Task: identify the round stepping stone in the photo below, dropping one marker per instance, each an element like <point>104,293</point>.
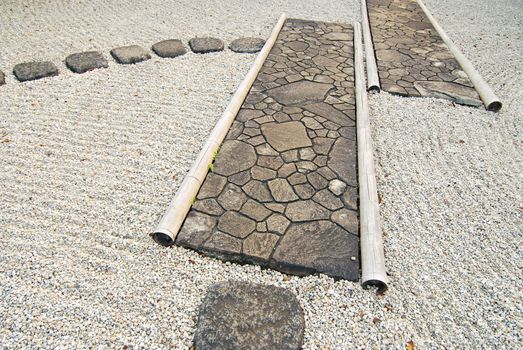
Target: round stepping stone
<point>169,48</point>
<point>2,78</point>
<point>85,61</point>
<point>205,45</point>
<point>130,54</point>
<point>243,315</point>
<point>247,45</point>
<point>34,70</point>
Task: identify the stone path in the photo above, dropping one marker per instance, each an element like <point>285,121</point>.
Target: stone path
<point>282,191</point>
<point>412,58</point>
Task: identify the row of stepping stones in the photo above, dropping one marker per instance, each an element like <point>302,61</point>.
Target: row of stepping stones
<point>86,61</point>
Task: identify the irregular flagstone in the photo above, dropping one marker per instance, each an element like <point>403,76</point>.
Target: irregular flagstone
<point>205,45</point>
<point>412,58</point>
<point>86,61</point>
<point>196,229</point>
<point>318,246</point>
<point>169,48</point>
<point>243,315</point>
<point>284,169</point>
<point>130,54</point>
<point>34,70</point>
<point>286,136</point>
<point>247,45</point>
<point>234,156</point>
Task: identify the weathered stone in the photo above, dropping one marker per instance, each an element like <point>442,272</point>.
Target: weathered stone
<point>196,229</point>
<point>450,91</point>
<point>319,246</point>
<point>223,243</point>
<point>337,187</point>
<point>242,315</point>
<point>34,70</point>
<point>256,189</point>
<point>286,170</point>
<point>297,178</point>
<point>298,46</point>
<point>205,45</point>
<point>322,145</point>
<point>248,114</point>
<point>262,174</point>
<point>255,210</point>
<point>330,113</point>
<point>306,211</point>
<point>300,92</point>
<point>328,200</point>
<point>232,197</point>
<point>247,45</point>
<point>347,219</point>
<point>338,36</point>
<point>260,245</point>
<point>2,78</point>
<point>212,186</point>
<point>169,48</point>
<point>130,54</point>
<point>266,150</point>
<point>304,191</point>
<point>290,156</point>
<point>261,226</point>
<point>208,206</point>
<point>343,160</point>
<point>306,166</point>
<point>277,223</point>
<point>272,162</point>
<point>240,178</point>
<point>317,181</point>
<point>277,207</point>
<point>350,198</point>
<point>85,61</point>
<point>281,190</point>
<point>234,156</point>
<point>286,136</point>
<point>236,224</point>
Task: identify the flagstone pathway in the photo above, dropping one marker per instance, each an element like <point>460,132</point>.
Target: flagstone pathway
<point>412,58</point>
<point>283,191</point>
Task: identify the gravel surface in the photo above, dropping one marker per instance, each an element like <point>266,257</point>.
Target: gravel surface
<point>91,161</point>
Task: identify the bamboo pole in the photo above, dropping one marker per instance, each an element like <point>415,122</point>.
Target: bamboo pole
<point>489,98</point>
<point>373,83</point>
<point>171,222</point>
<point>373,271</point>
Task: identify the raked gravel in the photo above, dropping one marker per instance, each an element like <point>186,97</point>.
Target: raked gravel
<point>90,162</point>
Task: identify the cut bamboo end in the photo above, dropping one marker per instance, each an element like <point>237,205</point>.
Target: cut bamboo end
<point>487,95</point>
<point>171,222</point>
<point>373,272</point>
<point>373,80</point>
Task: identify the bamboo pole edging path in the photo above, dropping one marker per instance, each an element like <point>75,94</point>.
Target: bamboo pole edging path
<point>373,83</point>
<point>487,95</point>
<point>373,271</point>
<point>171,222</point>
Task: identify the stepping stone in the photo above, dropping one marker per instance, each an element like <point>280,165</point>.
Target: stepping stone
<point>2,78</point>
<point>412,58</point>
<point>242,315</point>
<point>281,192</point>
<point>205,45</point>
<point>130,54</point>
<point>34,70</point>
<point>247,45</point>
<point>169,48</point>
<point>85,61</point>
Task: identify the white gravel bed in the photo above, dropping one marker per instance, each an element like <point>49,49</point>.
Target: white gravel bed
<point>89,163</point>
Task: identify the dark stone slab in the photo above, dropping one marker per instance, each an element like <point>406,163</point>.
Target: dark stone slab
<point>319,246</point>
<point>130,54</point>
<point>242,315</point>
<point>289,159</point>
<point>205,45</point>
<point>412,58</point>
<point>169,48</point>
<point>85,61</point>
<point>34,70</point>
<point>247,45</point>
